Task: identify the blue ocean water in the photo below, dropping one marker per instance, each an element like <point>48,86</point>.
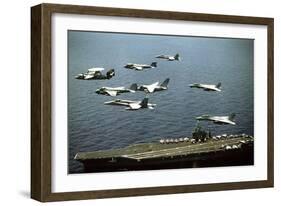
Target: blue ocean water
<point>94,126</point>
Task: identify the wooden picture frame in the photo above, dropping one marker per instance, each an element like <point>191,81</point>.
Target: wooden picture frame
<point>41,43</point>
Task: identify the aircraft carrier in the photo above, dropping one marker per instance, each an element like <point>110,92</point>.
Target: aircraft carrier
<point>200,150</point>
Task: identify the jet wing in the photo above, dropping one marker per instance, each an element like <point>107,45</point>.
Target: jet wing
<point>228,122</point>
<point>118,88</point>
<point>95,69</point>
<point>222,120</point>
<point>151,88</point>
<point>210,88</point>
<point>206,86</point>
<point>139,68</point>
<point>162,56</point>
<point>111,93</point>
<point>89,76</point>
<point>134,106</point>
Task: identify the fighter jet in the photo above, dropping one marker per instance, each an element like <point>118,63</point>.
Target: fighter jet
<point>218,119</point>
<point>95,74</point>
<point>207,87</point>
<point>114,91</point>
<point>168,57</point>
<point>155,87</point>
<point>132,105</point>
<point>140,67</point>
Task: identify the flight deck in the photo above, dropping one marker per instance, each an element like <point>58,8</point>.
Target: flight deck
<point>170,153</point>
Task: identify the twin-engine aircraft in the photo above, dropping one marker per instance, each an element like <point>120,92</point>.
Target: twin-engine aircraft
<point>132,105</point>
<point>140,67</point>
<point>218,119</point>
<point>207,87</point>
<point>114,91</point>
<point>95,74</point>
<point>169,58</point>
<point>155,87</point>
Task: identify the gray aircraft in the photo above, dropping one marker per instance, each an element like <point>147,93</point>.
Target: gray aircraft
<point>169,58</point>
<point>218,119</point>
<point>140,67</point>
<point>114,91</point>
<point>207,87</point>
<point>95,74</point>
<point>132,105</point>
<point>155,87</point>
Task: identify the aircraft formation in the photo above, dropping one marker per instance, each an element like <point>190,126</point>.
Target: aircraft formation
<point>96,74</point>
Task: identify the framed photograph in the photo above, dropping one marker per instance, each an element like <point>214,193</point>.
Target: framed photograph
<point>130,102</point>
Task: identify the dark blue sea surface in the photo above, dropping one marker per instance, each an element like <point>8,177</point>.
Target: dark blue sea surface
<point>94,126</point>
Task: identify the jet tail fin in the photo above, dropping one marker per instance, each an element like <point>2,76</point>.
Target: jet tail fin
<point>218,85</point>
<point>177,57</point>
<point>110,73</point>
<point>232,116</point>
<point>144,102</point>
<point>165,83</point>
<point>154,64</point>
<point>133,87</point>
